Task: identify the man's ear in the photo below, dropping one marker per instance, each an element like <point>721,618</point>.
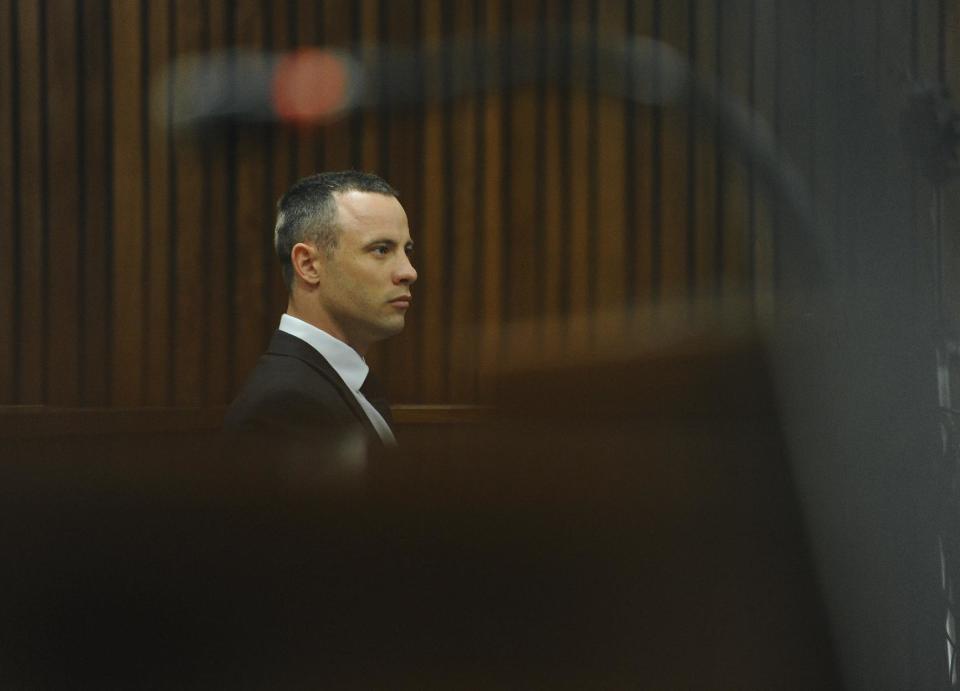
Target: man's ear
<point>306,261</point>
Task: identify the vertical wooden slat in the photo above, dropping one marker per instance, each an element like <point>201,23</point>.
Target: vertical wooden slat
<point>230,211</point>
<point>592,85</point>
<point>492,202</point>
<point>579,136</point>
<point>369,32</point>
<point>520,224</point>
<point>283,39</point>
<point>451,282</point>
<point>655,210</point>
<point>432,234</point>
<point>552,158</point>
<point>321,38</point>
<point>283,153</point>
<point>355,119</point>
<point>94,203</point>
<point>610,171</point>
<point>307,24</point>
<point>215,232</point>
<point>271,144</point>
<point>30,344</point>
<point>676,267</point>
<point>186,233</point>
<point>127,322</point>
<point>462,229</point>
<point>554,166</point>
<point>8,393</point>
<point>252,220</point>
<point>62,171</point>
<point>704,173</point>
<point>159,347</point>
<point>145,121</point>
<point>641,272</point>
<point>402,168</point>
<point>735,75</point>
<point>337,135</point>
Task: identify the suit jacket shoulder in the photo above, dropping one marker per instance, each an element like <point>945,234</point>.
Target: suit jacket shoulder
<point>293,390</point>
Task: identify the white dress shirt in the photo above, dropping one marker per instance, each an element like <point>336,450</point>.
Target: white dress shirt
<point>347,363</point>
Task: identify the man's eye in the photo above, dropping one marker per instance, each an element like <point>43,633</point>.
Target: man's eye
<point>382,250</point>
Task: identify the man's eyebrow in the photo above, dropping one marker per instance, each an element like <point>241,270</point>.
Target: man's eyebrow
<point>389,242</point>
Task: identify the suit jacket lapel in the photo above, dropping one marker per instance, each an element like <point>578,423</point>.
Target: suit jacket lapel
<point>284,344</point>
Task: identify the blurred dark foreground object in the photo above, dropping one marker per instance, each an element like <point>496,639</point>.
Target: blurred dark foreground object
<point>626,522</point>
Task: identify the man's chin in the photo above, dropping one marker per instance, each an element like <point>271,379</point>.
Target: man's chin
<point>391,327</point>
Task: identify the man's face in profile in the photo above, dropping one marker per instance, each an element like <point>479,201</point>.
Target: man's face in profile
<point>366,281</point>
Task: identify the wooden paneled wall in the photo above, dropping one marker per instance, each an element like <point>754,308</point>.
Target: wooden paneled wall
<point>136,266</point>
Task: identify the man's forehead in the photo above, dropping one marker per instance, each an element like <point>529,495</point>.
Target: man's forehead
<point>364,203</point>
<point>355,206</point>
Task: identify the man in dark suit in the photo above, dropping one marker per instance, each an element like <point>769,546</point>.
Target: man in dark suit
<point>344,247</point>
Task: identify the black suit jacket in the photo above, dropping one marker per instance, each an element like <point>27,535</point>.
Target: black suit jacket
<point>293,393</point>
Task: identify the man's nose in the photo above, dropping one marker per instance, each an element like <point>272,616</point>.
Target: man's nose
<point>405,274</point>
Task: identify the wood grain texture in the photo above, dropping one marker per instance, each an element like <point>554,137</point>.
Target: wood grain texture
<point>611,171</point>
<point>554,169</point>
<point>127,165</point>
<point>9,194</point>
<point>31,217</point>
<point>402,167</point>
<point>643,268</point>
<point>704,178</point>
<point>337,33</point>
<point>136,264</point>
<point>461,136</point>
<point>674,171</point>
<point>582,141</point>
<point>432,233</point>
<point>62,183</point>
<point>491,287</point>
<point>252,219</point>
<point>521,225</point>
<point>187,266</point>
<point>282,151</point>
<point>159,150</point>
<point>216,240</point>
<point>94,197</point>
<point>307,26</point>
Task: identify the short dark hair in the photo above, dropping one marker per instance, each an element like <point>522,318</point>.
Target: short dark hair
<point>308,212</point>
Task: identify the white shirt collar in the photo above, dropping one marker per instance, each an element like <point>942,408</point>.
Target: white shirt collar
<point>345,360</point>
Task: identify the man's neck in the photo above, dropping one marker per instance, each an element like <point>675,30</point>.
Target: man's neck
<point>325,324</point>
